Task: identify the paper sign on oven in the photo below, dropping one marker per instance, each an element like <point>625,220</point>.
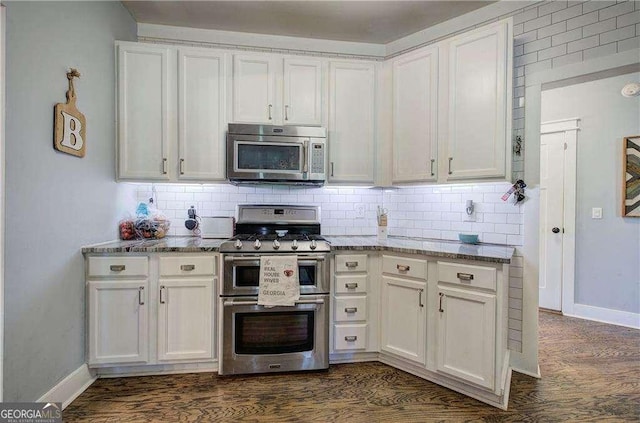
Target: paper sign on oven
<point>279,282</point>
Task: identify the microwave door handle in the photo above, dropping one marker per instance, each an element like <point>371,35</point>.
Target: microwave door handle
<point>305,149</point>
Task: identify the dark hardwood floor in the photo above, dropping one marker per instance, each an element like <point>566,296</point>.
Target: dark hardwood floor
<point>590,373</point>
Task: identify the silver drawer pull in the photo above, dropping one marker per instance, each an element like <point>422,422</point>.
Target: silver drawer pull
<point>352,338</point>
<point>350,310</point>
<point>187,267</point>
<point>351,264</point>
<point>117,267</point>
<point>403,268</point>
<point>351,285</point>
<point>162,299</point>
<point>140,299</point>
<point>465,276</point>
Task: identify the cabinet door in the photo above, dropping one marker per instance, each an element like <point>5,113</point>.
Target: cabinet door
<point>144,111</point>
<point>467,335</point>
<point>479,97</point>
<point>201,117</point>
<point>185,319</point>
<point>302,92</point>
<point>351,122</point>
<point>404,318</point>
<point>118,322</point>
<point>415,114</point>
<point>254,89</point>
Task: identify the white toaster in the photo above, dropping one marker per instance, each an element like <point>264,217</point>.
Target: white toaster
<point>216,227</point>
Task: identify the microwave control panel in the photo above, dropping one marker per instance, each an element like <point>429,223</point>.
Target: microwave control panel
<point>317,158</point>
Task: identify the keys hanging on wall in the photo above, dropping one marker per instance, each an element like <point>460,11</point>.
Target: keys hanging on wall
<point>517,190</point>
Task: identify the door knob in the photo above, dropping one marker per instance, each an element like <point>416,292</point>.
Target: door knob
<point>555,230</point>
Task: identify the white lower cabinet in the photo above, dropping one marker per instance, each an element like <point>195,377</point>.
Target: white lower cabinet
<point>354,306</point>
<point>471,329</point>
<point>403,326</point>
<point>467,335</point>
<point>118,321</point>
<point>160,311</point>
<point>185,316</point>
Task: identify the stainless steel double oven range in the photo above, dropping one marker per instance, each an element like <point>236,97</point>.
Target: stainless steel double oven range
<point>258,339</point>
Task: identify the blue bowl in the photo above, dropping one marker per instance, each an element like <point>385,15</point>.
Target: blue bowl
<point>468,238</point>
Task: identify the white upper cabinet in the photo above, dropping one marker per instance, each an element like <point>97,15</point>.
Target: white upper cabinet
<point>415,114</point>
<point>275,91</point>
<point>145,107</point>
<point>302,92</point>
<point>351,122</point>
<point>171,113</point>
<point>452,108</point>
<point>201,123</point>
<point>254,86</point>
<point>479,103</point>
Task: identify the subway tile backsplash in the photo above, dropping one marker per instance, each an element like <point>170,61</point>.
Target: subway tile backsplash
<point>434,211</point>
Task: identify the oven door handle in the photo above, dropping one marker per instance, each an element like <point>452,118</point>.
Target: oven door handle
<point>301,257</point>
<point>252,303</point>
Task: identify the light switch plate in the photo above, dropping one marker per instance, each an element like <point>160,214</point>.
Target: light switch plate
<point>596,213</point>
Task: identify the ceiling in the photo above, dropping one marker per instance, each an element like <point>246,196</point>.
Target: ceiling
<point>377,22</point>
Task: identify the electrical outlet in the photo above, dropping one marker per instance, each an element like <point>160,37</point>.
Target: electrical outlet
<point>596,213</point>
<point>361,210</point>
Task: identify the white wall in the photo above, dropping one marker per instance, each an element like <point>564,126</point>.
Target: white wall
<point>607,250</point>
<point>55,203</point>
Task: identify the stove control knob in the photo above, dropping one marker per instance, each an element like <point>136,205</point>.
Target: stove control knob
<point>313,244</point>
<point>276,244</point>
<point>238,244</point>
<point>257,244</point>
<point>294,244</point>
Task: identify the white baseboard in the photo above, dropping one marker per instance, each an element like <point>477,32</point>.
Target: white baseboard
<point>606,315</point>
<point>70,387</point>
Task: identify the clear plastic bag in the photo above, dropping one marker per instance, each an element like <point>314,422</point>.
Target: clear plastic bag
<point>149,223</point>
<point>126,229</point>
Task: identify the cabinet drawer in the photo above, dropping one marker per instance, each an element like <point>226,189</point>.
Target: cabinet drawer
<point>402,266</point>
<point>118,266</point>
<point>351,308</point>
<point>351,263</point>
<point>468,275</point>
<point>350,337</point>
<point>351,284</point>
<point>187,265</point>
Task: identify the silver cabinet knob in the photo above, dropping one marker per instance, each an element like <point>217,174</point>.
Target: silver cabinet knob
<point>257,244</point>
<point>294,244</point>
<point>276,244</point>
<point>238,244</point>
<point>313,245</point>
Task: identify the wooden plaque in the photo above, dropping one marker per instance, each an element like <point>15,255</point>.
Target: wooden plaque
<point>70,126</point>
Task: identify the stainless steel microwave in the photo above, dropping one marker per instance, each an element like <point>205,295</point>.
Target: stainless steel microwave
<point>276,154</point>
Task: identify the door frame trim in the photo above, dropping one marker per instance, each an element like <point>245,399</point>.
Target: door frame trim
<point>570,129</point>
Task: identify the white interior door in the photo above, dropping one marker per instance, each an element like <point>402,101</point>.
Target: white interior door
<point>557,211</point>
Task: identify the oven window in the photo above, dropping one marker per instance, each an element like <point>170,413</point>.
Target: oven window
<point>248,276</point>
<point>269,157</point>
<point>274,333</point>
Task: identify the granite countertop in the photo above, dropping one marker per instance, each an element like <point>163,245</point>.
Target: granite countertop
<point>430,247</point>
<point>448,249</point>
<point>182,244</point>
